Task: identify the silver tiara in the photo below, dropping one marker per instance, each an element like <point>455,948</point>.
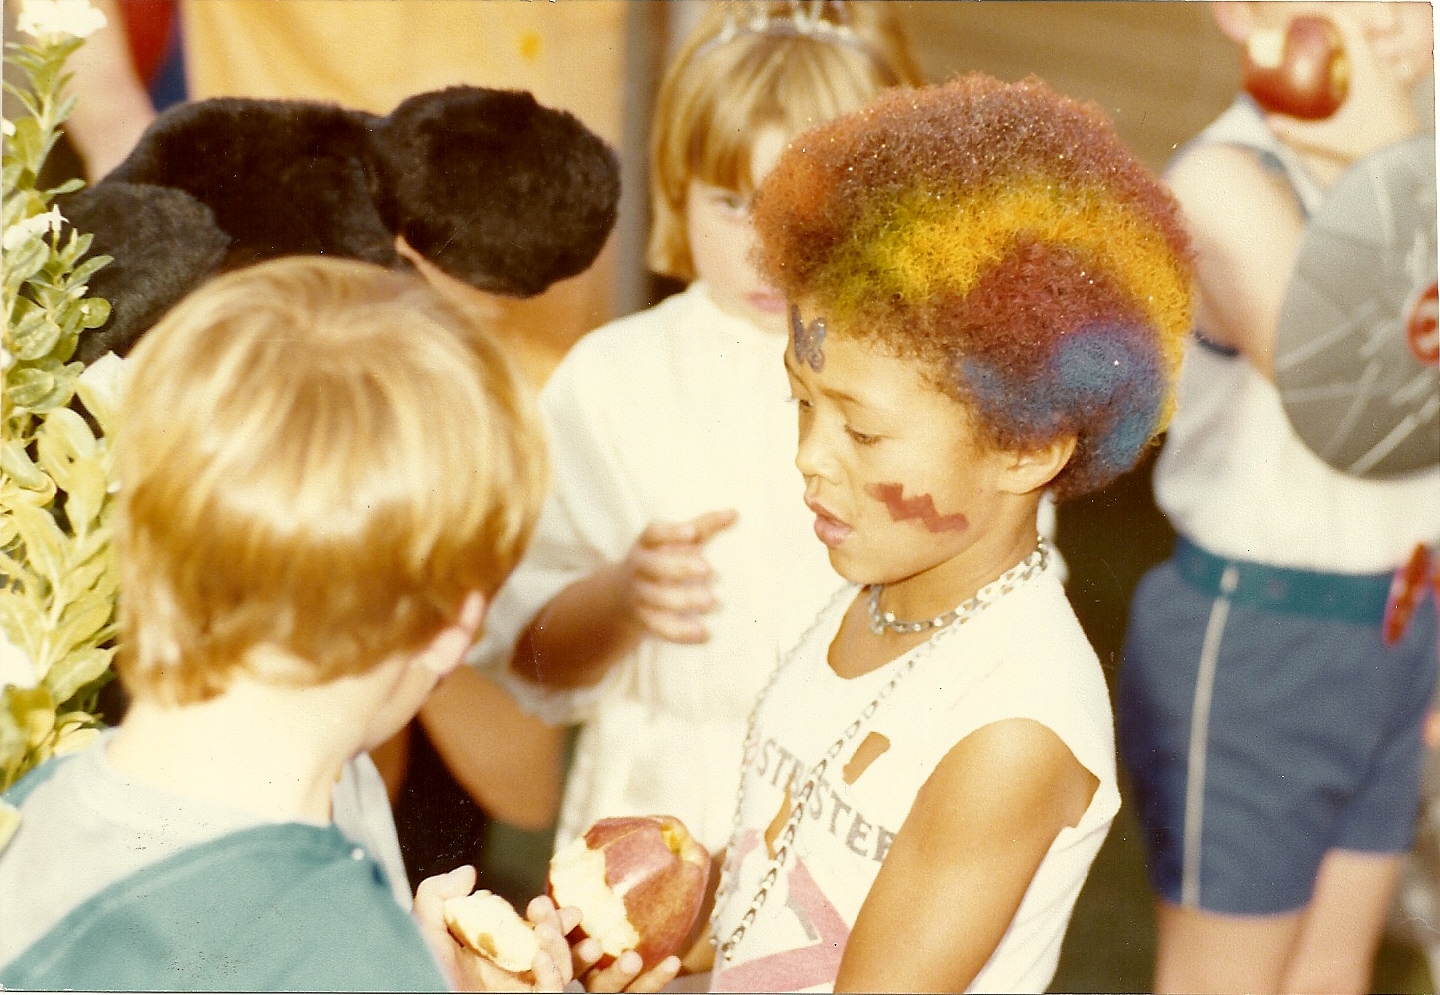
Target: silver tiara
<point>803,19</point>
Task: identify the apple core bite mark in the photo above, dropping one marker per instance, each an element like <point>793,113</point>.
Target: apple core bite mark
<point>922,508</point>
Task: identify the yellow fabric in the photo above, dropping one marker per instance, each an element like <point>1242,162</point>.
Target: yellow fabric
<point>372,54</point>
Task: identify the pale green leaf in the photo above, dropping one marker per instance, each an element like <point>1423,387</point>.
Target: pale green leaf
<point>94,311</point>
<point>35,336</point>
<point>33,710</point>
<point>69,186</point>
<point>21,619</point>
<point>23,261</point>
<point>75,670</point>
<point>74,736</point>
<point>64,438</point>
<point>81,621</point>
<point>30,386</point>
<point>25,144</point>
<point>44,542</point>
<point>17,464</point>
<point>85,496</point>
<point>12,750</point>
<point>94,575</point>
<point>80,275</point>
<point>62,385</point>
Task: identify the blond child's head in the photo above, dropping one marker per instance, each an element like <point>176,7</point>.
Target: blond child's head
<point>749,68</point>
<point>316,457</point>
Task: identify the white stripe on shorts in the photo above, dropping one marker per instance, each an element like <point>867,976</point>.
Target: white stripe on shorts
<point>1199,738</point>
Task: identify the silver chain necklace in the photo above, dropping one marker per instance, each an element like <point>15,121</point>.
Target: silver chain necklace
<point>1027,568</point>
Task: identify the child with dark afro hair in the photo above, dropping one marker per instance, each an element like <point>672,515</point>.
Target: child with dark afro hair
<point>989,296</point>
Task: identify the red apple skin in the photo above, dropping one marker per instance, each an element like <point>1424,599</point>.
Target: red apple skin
<point>1313,77</point>
<point>662,871</point>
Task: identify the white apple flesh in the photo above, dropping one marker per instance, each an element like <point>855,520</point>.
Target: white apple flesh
<point>638,882</point>
<point>487,924</point>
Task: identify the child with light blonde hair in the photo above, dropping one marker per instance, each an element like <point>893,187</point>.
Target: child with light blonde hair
<point>324,477</point>
<point>673,559</point>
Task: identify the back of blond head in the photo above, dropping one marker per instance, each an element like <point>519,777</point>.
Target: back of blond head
<point>316,456</point>
<point>739,72</point>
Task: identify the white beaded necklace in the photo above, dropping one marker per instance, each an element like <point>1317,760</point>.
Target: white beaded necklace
<point>1027,568</point>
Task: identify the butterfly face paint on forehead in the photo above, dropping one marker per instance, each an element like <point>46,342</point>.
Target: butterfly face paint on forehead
<point>808,340</point>
<point>920,508</point>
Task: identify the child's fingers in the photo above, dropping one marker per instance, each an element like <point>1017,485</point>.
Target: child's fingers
<point>584,954</point>
<point>552,966</point>
<point>679,599</point>
<point>657,977</point>
<point>697,530</point>
<point>433,892</point>
<point>542,909</point>
<point>616,977</point>
<point>673,627</point>
<point>548,975</point>
<point>708,524</point>
<point>670,564</point>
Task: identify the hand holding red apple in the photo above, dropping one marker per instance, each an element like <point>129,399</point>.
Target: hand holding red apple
<point>639,882</point>
<point>1376,110</point>
<point>1300,70</point>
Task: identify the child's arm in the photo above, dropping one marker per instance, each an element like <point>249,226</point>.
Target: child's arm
<point>661,588</point>
<point>1245,221</point>
<point>961,863</point>
<point>511,763</point>
<point>1246,227</point>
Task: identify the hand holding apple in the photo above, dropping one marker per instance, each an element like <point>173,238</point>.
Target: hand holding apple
<point>1377,109</point>
<point>488,925</point>
<point>1300,70</point>
<point>467,968</point>
<point>639,883</point>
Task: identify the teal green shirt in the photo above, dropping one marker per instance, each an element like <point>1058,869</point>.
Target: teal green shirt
<point>277,907</point>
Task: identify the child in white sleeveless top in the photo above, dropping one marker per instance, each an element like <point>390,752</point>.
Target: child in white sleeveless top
<point>1269,725</point>
<point>989,295</point>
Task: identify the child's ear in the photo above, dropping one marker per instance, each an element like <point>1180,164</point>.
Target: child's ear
<point>1030,470</point>
<point>1235,18</point>
<point>444,653</point>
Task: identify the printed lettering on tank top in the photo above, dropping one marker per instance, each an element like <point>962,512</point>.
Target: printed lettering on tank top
<point>815,961</point>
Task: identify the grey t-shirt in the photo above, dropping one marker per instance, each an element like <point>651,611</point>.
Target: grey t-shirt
<point>88,826</point>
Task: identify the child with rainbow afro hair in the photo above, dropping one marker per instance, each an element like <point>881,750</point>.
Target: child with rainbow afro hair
<point>989,296</point>
<point>1005,236</point>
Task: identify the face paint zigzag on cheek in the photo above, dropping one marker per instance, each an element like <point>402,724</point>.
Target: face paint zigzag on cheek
<point>920,508</point>
<point>808,340</point>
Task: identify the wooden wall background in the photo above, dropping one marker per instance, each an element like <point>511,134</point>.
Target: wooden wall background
<point>1162,71</point>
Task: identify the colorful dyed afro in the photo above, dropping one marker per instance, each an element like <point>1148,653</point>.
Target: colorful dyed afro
<point>1003,235</point>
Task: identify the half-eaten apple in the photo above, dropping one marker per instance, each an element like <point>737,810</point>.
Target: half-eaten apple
<point>1300,70</point>
<point>638,882</point>
<point>488,925</point>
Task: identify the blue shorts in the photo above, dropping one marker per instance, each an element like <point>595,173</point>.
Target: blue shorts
<point>1258,735</point>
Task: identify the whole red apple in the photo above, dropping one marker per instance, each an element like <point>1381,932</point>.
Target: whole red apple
<point>1300,71</point>
<point>638,881</point>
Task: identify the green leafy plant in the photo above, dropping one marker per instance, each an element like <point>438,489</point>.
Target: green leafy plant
<point>57,565</point>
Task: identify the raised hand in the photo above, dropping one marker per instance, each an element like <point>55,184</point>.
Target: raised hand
<point>667,578</point>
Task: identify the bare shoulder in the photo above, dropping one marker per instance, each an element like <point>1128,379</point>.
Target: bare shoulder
<point>1013,769</point>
